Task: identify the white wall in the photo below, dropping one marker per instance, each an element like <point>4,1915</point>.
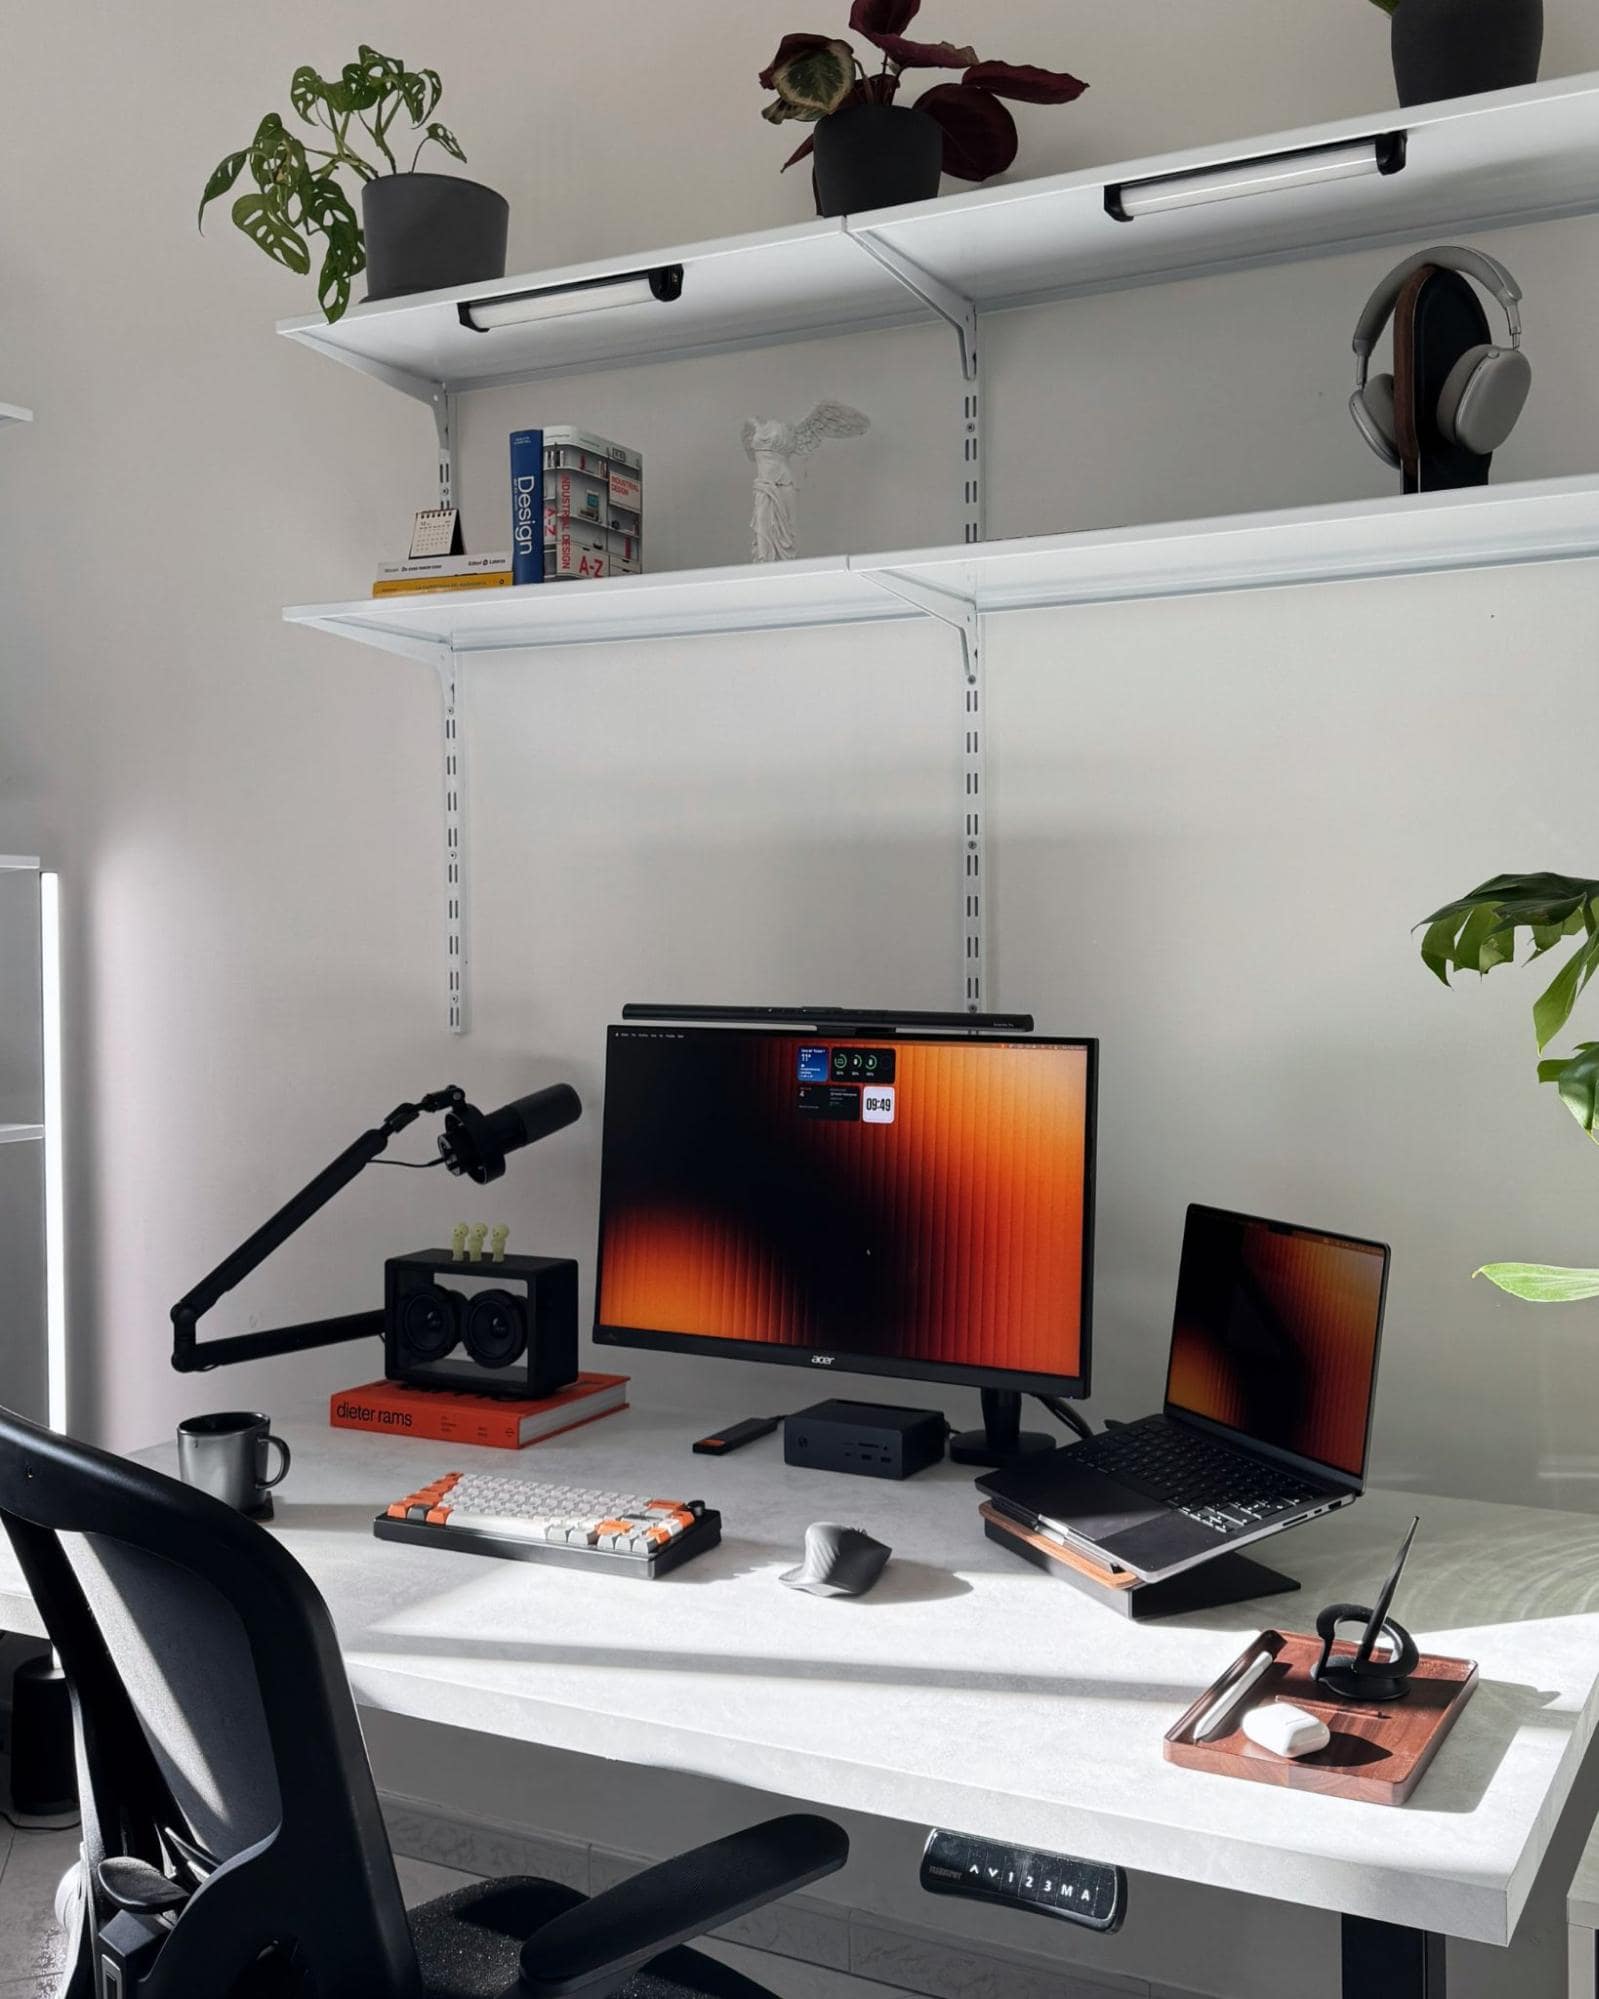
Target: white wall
<point>1214,821</point>
<point>247,815</point>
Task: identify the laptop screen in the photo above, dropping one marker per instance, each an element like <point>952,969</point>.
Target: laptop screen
<point>1275,1335</point>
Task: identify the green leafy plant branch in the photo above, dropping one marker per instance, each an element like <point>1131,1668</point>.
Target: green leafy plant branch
<point>295,200</point>
<point>1477,933</point>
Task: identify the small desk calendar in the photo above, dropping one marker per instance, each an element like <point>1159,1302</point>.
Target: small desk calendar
<point>436,531</point>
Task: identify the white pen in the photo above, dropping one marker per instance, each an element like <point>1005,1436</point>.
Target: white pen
<point>1222,1707</point>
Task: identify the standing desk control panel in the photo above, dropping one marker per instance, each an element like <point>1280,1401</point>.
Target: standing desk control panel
<point>1053,1884</point>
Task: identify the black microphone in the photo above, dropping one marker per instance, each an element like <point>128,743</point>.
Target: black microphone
<point>476,1145</point>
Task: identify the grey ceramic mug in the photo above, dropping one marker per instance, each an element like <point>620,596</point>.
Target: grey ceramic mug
<point>227,1455</point>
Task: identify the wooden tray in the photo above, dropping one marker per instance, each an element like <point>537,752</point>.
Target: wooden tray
<point>1377,1753</point>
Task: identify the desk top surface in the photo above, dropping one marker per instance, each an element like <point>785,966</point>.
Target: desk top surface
<point>967,1690</point>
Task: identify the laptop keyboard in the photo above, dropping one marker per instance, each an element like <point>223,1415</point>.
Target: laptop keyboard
<point>1221,1488</point>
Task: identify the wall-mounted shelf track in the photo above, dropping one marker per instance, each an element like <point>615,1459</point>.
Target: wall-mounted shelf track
<point>1473,164</point>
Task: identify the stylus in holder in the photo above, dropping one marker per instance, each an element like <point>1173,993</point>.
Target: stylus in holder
<point>1366,1676</point>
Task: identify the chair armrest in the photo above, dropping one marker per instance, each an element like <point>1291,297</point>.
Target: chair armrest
<point>591,1949</point>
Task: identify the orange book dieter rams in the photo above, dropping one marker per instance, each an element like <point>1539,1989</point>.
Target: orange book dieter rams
<point>451,1416</point>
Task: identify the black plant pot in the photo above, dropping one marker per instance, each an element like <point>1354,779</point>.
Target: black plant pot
<point>876,156</point>
<point>426,232</point>
<point>1454,48</point>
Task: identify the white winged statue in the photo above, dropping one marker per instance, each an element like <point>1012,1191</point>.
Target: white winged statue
<point>772,447</point>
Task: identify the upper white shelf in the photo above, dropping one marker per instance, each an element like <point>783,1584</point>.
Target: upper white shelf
<point>1547,520</point>
<point>15,413</point>
<point>20,1134</point>
<point>1469,164</point>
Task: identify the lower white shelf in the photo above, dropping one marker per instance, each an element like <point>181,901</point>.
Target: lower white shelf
<point>1547,520</point>
<point>21,1134</point>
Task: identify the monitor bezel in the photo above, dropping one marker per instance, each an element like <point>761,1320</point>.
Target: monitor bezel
<point>1073,1387</point>
<point>1297,1460</point>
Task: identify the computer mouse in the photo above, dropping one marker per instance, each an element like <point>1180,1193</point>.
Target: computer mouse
<point>839,1561</point>
<point>1286,1730</point>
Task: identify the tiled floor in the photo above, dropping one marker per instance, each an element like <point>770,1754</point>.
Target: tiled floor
<point>31,1863</point>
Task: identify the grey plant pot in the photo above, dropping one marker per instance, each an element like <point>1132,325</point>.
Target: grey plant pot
<point>1454,48</point>
<point>426,232</point>
<point>876,156</point>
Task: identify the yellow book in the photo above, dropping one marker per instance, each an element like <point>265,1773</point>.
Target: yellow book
<point>410,586</point>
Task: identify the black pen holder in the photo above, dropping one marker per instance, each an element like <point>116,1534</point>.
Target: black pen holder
<point>1363,1676</point>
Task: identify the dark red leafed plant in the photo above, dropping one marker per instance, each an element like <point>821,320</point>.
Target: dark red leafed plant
<point>814,75</point>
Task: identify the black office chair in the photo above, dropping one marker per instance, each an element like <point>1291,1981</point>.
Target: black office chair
<point>232,1844</point>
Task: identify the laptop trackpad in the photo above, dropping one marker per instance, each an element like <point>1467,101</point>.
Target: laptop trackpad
<point>1098,1506</point>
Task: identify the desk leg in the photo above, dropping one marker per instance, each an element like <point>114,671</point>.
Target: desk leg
<point>1388,1961</point>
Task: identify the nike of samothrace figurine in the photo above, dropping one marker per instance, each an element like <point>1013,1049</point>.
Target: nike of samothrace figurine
<point>772,447</point>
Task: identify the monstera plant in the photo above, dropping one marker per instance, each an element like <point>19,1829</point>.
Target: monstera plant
<point>297,194</point>
<point>817,75</point>
<point>1477,933</point>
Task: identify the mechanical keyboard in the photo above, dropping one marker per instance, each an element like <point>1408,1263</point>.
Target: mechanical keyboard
<point>527,1520</point>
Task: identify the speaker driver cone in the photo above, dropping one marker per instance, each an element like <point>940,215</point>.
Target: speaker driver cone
<point>496,1328</point>
<point>429,1324</point>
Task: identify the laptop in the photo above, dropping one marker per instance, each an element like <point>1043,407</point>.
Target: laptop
<point>1267,1420</point>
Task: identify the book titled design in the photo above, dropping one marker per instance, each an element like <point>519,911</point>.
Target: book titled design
<point>452,1416</point>
<point>527,506</point>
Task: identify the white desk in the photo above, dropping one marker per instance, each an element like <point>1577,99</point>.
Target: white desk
<point>968,1690</point>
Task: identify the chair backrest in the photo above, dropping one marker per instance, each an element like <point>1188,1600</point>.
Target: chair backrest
<point>217,1737</point>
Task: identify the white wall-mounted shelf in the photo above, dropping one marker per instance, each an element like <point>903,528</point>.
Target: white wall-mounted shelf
<point>1473,163</point>
<point>1483,527</point>
<point>15,413</point>
<point>21,1134</point>
<point>1515,156</point>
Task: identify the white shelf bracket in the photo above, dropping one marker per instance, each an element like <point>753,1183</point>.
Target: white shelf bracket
<point>447,661</point>
<point>445,418</point>
<point>951,306</point>
<point>962,616</point>
<point>958,311</point>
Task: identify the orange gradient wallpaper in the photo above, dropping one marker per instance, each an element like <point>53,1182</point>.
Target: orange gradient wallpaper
<point>916,1200</point>
<point>1276,1335</point>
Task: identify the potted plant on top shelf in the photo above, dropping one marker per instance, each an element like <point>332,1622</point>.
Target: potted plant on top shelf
<point>872,152</point>
<point>423,231</point>
<point>1455,48</point>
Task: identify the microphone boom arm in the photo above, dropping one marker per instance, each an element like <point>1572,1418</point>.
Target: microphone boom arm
<point>189,1357</point>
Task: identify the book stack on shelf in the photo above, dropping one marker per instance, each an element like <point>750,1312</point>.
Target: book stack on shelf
<point>577,506</point>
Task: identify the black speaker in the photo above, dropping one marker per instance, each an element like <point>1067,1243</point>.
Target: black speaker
<point>506,1328</point>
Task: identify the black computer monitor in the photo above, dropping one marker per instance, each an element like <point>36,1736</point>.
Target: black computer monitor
<point>916,1204</point>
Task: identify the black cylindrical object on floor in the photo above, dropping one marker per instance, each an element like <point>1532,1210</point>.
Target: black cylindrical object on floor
<point>44,1771</point>
<point>426,232</point>
<point>876,156</point>
<point>1456,48</point>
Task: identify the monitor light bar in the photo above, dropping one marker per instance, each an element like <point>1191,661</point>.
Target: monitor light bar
<point>1272,173</point>
<point>482,315</point>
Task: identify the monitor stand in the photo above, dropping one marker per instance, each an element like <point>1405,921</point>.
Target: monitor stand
<point>1001,1440</point>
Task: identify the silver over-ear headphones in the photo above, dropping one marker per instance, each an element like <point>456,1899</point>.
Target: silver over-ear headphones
<point>1485,390</point>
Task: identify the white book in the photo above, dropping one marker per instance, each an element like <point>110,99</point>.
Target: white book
<point>444,565</point>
